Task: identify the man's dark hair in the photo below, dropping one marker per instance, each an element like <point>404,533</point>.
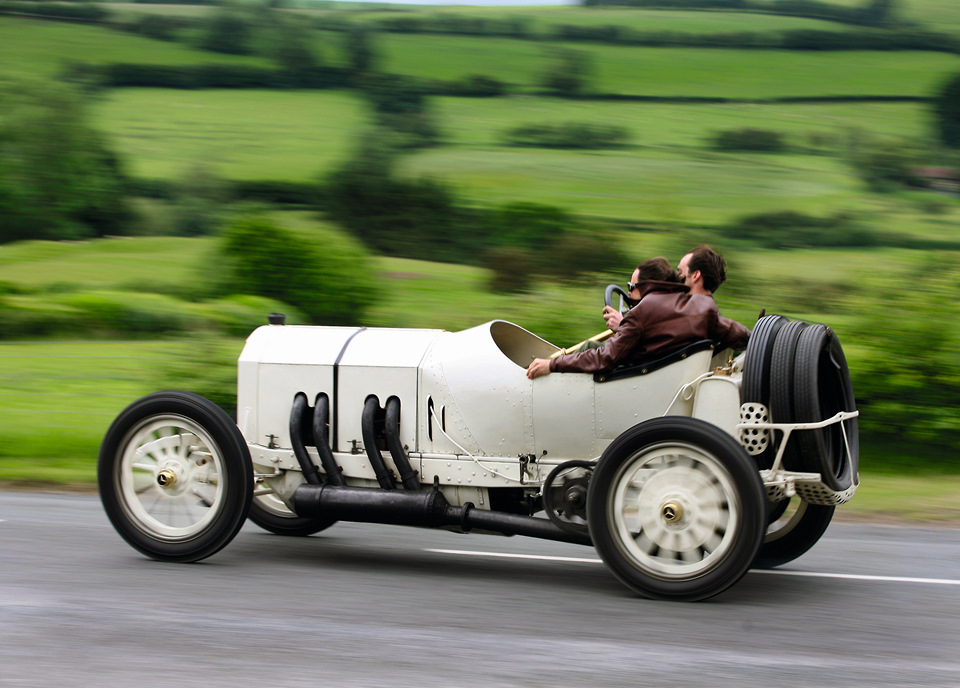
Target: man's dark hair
<point>658,268</point>
<point>711,265</point>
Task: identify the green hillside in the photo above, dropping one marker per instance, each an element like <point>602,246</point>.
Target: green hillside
<point>826,226</point>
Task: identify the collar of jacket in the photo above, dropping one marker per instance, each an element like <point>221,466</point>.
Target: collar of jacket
<point>647,286</point>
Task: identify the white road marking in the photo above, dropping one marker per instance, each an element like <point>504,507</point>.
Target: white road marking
<point>507,555</point>
<point>807,574</point>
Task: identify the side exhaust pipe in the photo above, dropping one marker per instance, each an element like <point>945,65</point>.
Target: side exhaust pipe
<point>321,420</point>
<point>424,508</point>
<point>391,432</point>
<point>369,434</point>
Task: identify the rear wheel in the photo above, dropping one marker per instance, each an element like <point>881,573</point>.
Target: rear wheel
<point>175,476</point>
<point>270,513</point>
<point>676,509</point>
<point>795,527</point>
<point>822,388</point>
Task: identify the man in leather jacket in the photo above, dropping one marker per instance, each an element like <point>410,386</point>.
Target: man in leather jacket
<point>666,317</point>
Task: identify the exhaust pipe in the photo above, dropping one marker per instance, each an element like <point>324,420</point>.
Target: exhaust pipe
<point>391,432</point>
<point>424,508</point>
<point>310,471</point>
<point>321,418</point>
<point>367,420</point>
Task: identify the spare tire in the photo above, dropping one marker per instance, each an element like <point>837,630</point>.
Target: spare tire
<point>782,385</point>
<point>822,388</point>
<point>757,361</point>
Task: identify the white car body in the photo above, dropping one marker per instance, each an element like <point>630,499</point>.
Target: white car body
<point>469,413</point>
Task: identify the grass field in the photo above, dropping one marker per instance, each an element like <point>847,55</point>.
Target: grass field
<point>39,49</point>
<point>243,134</point>
<point>141,264</point>
<point>541,19</point>
<point>674,72</point>
<point>58,397</point>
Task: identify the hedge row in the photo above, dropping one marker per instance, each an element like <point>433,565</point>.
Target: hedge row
<point>74,11</point>
<point>208,76</point>
<point>797,39</point>
<point>128,313</point>
<point>869,13</point>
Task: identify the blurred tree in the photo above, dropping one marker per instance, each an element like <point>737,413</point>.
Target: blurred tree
<point>530,239</point>
<point>946,112</point>
<point>199,198</point>
<point>749,139</point>
<point>570,73</point>
<point>324,275</point>
<point>58,177</point>
<point>415,218</point>
<point>883,165</point>
<point>878,12</point>
<point>399,104</point>
<point>362,55</point>
<point>293,49</point>
<point>228,31</point>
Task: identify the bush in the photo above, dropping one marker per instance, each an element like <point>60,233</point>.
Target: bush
<point>530,239</point>
<point>58,177</point>
<point>885,166</point>
<point>399,104</point>
<point>472,86</point>
<point>511,268</point>
<point>946,112</point>
<point>321,273</point>
<point>569,75</point>
<point>789,229</point>
<point>412,218</point>
<point>577,135</point>
<point>749,139</point>
<point>228,31</point>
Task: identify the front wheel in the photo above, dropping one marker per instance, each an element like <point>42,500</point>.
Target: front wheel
<point>175,476</point>
<point>676,509</point>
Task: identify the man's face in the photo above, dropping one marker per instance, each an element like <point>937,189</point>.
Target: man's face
<point>634,278</point>
<point>683,269</point>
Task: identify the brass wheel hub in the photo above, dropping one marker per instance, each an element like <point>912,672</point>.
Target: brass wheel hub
<point>166,478</point>
<point>672,512</point>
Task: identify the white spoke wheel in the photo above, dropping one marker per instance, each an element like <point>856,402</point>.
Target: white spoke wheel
<point>175,476</point>
<point>796,528</point>
<point>676,509</point>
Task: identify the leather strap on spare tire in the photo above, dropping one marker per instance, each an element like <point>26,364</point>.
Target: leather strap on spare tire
<point>822,388</point>
<point>757,361</point>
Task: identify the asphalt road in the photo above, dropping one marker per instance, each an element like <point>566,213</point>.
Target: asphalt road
<point>367,605</point>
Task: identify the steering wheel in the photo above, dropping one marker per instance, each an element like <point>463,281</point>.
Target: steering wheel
<point>624,297</point>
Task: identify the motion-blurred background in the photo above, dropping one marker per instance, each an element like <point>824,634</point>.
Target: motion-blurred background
<point>169,174</point>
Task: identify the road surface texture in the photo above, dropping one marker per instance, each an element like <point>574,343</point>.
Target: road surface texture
<point>369,605</point>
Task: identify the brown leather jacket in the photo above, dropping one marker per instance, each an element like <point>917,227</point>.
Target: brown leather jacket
<point>666,319</point>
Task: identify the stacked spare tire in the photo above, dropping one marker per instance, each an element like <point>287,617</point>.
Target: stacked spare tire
<point>798,372</point>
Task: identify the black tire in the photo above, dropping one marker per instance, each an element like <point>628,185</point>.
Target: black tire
<point>796,529</point>
<point>175,476</point>
<point>822,388</point>
<point>676,509</point>
<point>758,358</point>
<point>272,515</point>
<point>781,389</point>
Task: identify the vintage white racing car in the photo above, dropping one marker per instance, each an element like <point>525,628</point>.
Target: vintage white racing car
<point>683,472</point>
